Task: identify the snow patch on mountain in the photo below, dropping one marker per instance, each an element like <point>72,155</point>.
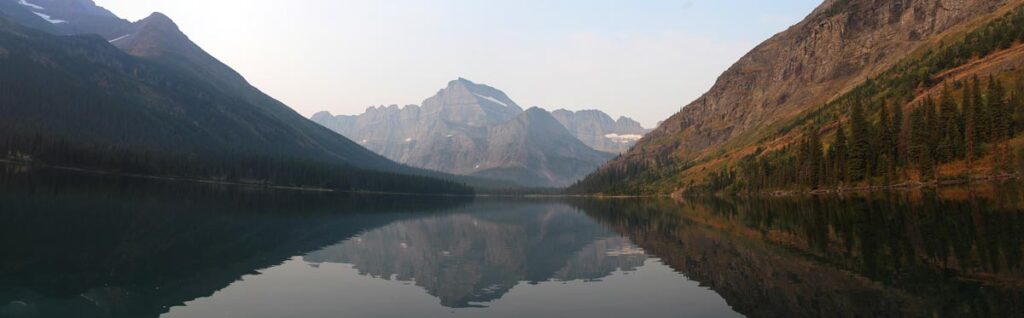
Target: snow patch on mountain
<point>623,138</point>
<point>120,38</point>
<point>30,5</point>
<point>48,18</point>
<point>492,99</point>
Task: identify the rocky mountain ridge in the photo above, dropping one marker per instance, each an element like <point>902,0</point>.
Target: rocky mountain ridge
<point>599,131</point>
<point>473,129</point>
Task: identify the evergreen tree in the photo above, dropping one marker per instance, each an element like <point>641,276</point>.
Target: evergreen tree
<point>920,138</point>
<point>970,125</point>
<point>885,140</point>
<point>1016,111</point>
<point>898,152</point>
<point>932,130</point>
<point>1016,105</point>
<point>818,159</point>
<point>860,143</point>
<point>980,115</point>
<point>949,141</point>
<point>999,113</point>
<point>838,154</point>
<point>810,159</point>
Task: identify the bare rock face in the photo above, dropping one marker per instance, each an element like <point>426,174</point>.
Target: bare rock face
<point>472,129</point>
<point>471,104</point>
<point>600,131</point>
<point>534,149</point>
<point>838,46</point>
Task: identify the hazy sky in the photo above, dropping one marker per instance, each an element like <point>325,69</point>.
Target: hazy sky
<point>642,59</point>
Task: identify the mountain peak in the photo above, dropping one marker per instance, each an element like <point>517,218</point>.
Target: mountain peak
<point>474,129</point>
<point>468,103</point>
<point>157,36</point>
<point>600,131</point>
<point>465,84</point>
<point>158,19</point>
<point>323,115</point>
<point>536,111</point>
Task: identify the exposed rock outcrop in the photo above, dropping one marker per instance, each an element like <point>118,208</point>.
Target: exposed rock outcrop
<point>600,131</point>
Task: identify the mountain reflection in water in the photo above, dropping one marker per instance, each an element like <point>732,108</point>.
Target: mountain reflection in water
<point>77,246</point>
<point>467,258</point>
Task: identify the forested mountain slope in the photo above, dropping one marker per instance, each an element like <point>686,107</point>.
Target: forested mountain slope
<point>840,64</point>
<point>171,109</point>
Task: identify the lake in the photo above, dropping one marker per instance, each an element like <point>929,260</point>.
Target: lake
<point>99,246</point>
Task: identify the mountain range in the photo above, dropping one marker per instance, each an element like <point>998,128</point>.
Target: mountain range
<point>599,131</point>
<point>477,130</point>
<point>817,107</point>
<point>143,98</point>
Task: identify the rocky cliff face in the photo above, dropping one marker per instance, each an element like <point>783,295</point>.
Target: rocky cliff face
<point>473,129</point>
<point>839,45</point>
<point>535,150</point>
<point>600,131</point>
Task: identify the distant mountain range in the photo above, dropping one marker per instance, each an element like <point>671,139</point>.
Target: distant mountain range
<point>141,97</point>
<point>600,131</point>
<point>473,129</point>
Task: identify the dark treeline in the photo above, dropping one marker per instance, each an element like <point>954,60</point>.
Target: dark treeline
<point>864,137</point>
<point>229,167</point>
<point>630,177</point>
<point>890,148</point>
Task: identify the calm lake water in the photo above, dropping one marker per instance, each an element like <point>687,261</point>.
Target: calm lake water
<point>87,246</point>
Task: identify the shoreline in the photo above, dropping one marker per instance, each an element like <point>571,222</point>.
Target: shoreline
<point>902,186</point>
<point>4,161</point>
<point>211,181</point>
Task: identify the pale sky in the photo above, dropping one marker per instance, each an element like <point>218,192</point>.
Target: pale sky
<point>641,59</point>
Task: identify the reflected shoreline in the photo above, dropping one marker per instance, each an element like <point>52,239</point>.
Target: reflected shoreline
<point>124,247</point>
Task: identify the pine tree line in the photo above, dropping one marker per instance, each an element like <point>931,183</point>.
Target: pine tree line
<point>849,155</point>
<point>229,167</point>
<point>883,147</point>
